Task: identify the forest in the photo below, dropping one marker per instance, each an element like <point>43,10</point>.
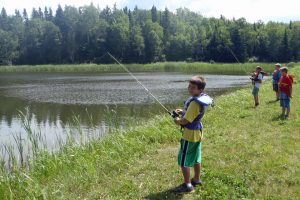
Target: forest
<point>83,35</point>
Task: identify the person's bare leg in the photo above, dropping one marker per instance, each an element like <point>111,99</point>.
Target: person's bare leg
<point>197,169</point>
<point>283,111</point>
<point>186,174</point>
<point>277,95</point>
<point>256,100</point>
<point>288,112</point>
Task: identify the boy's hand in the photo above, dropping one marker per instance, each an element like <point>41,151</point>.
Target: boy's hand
<point>181,121</point>
<point>179,111</point>
<point>176,120</point>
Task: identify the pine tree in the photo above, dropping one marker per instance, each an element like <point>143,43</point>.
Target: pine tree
<point>291,25</point>
<point>59,19</point>
<point>25,15</point>
<point>35,14</point>
<point>4,24</point>
<point>166,25</point>
<point>154,14</point>
<point>17,13</point>
<point>285,48</point>
<point>41,14</point>
<point>239,45</point>
<point>50,16</point>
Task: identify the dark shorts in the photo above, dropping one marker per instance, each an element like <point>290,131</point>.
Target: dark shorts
<point>275,87</point>
<point>285,101</point>
<point>255,91</point>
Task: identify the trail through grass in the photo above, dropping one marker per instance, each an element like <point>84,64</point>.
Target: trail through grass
<point>248,153</point>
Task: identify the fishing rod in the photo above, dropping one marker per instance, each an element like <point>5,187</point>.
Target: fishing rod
<point>173,114</point>
<point>233,54</point>
<point>235,57</point>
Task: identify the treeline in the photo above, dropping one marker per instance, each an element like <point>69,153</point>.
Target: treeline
<point>83,35</point>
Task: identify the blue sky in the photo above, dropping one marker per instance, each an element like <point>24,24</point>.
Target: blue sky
<point>252,10</point>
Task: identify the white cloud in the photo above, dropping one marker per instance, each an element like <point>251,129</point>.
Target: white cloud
<point>252,10</point>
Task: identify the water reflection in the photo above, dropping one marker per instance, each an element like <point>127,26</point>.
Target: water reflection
<point>98,102</point>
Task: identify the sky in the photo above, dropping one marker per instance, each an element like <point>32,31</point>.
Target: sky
<point>252,10</point>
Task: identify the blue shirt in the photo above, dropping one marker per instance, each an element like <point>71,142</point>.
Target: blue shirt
<point>276,76</point>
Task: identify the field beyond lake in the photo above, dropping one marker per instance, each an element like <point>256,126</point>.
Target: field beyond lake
<point>248,153</point>
<point>196,67</point>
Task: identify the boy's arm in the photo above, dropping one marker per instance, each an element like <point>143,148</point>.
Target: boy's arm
<point>290,86</point>
<point>181,122</point>
<point>259,78</point>
<point>191,113</point>
<point>291,90</point>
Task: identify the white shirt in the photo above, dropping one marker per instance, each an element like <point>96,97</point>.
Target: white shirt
<point>260,77</point>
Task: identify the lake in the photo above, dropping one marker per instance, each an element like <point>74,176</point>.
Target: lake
<point>57,105</point>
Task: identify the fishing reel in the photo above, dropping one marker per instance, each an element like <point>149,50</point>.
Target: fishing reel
<point>174,114</point>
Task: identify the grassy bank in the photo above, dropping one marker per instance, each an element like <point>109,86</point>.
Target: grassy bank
<point>199,67</point>
<point>247,153</point>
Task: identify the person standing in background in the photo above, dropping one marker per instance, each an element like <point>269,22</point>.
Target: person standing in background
<point>276,78</point>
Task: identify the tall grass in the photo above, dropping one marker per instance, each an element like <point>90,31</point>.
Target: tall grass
<point>197,67</point>
<point>27,145</point>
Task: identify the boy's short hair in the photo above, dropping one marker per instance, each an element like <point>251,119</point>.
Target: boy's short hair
<point>199,81</point>
<point>284,69</point>
<point>277,65</point>
<point>259,68</point>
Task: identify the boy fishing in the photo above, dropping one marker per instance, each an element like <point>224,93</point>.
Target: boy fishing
<point>285,86</point>
<point>276,78</point>
<point>190,149</point>
<point>257,78</point>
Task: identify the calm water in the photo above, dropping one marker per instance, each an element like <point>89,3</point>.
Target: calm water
<point>98,102</point>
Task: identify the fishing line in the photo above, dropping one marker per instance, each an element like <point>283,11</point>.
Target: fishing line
<point>232,53</point>
<point>235,57</point>
<point>141,84</point>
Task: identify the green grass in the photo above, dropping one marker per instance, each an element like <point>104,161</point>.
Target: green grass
<point>248,153</point>
<point>199,67</point>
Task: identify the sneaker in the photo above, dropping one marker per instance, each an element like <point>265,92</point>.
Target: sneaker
<point>286,116</point>
<point>183,189</point>
<point>195,183</point>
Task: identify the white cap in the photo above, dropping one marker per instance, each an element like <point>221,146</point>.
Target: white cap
<point>278,64</point>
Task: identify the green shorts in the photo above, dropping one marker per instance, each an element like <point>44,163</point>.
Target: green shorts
<point>189,153</point>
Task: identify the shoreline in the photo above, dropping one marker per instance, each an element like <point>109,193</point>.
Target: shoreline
<point>197,67</point>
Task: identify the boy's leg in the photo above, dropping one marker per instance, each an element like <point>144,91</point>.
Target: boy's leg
<point>197,169</point>
<point>277,95</point>
<point>283,111</point>
<point>186,174</point>
<point>282,104</point>
<point>183,161</point>
<point>276,88</point>
<point>288,107</point>
<point>255,94</point>
<point>256,100</point>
